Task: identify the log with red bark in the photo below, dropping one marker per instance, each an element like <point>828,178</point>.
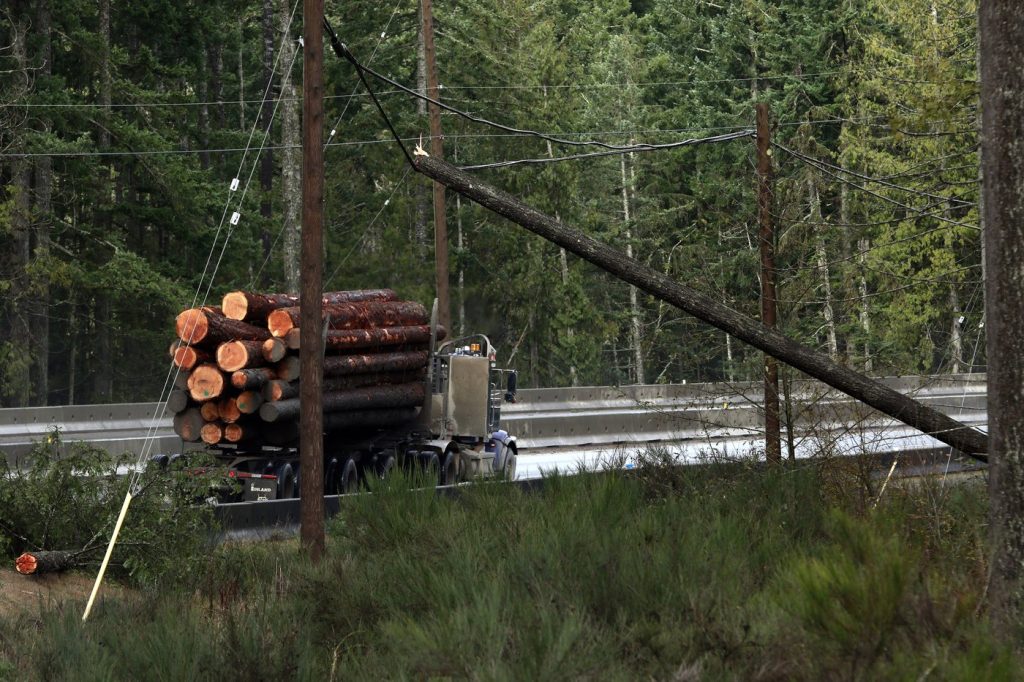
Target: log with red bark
<point>206,382</point>
<point>186,356</point>
<point>288,369</point>
<point>416,336</point>
<point>280,390</point>
<point>241,354</point>
<point>212,433</point>
<point>177,400</point>
<point>181,379</point>
<point>274,349</point>
<point>247,305</point>
<point>336,421</point>
<point>188,424</point>
<point>365,315</point>
<point>210,411</point>
<point>375,397</point>
<point>241,431</point>
<point>34,563</point>
<point>338,365</point>
<point>338,383</point>
<point>227,410</point>
<point>209,327</point>
<point>252,379</point>
<point>249,402</point>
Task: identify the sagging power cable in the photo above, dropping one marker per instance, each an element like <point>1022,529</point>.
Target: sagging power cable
<point>343,52</point>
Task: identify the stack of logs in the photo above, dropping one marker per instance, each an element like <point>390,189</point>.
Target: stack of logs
<point>239,365</point>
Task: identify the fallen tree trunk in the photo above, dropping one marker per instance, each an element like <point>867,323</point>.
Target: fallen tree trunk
<point>243,354</point>
<point>210,411</point>
<point>357,339</point>
<point>803,358</point>
<point>274,349</point>
<point>177,400</point>
<point>400,395</point>
<point>209,327</point>
<point>212,433</point>
<point>188,424</point>
<point>205,383</point>
<point>252,379</point>
<point>339,365</point>
<point>367,315</point>
<point>186,357</point>
<point>249,401</point>
<point>247,305</point>
<point>34,563</point>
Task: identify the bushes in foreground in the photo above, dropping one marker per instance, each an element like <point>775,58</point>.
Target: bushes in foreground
<point>710,573</point>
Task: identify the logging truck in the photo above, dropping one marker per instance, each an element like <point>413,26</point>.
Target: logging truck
<point>395,395</point>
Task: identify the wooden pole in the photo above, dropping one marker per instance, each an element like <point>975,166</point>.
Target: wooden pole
<point>803,358</point>
<point>311,443</point>
<point>437,151</point>
<point>766,239</point>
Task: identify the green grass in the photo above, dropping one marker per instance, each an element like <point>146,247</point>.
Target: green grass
<point>712,573</point>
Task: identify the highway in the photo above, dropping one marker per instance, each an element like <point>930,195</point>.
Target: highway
<point>569,428</point>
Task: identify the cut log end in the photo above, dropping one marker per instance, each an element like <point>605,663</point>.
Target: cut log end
<point>235,355</point>
<point>235,305</point>
<point>279,322</point>
<point>212,433</point>
<point>191,325</point>
<point>34,563</point>
<point>205,383</point>
<point>274,349</point>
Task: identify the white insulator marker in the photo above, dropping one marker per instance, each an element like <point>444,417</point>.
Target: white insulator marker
<point>235,217</point>
<point>234,185</point>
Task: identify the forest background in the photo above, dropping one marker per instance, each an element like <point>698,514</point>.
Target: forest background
<point>123,123</point>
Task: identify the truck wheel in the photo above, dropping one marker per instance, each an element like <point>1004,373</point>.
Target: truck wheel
<point>450,471</point>
<point>431,465</point>
<point>348,481</point>
<point>285,482</point>
<point>509,470</point>
<point>385,466</point>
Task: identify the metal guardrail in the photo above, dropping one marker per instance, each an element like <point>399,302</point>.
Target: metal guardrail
<point>549,418</point>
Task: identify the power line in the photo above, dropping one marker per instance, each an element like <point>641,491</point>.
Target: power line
<point>647,148</point>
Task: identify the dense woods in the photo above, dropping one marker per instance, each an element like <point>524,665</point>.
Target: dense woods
<point>123,124</point>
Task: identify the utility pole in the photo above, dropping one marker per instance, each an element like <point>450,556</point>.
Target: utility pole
<point>437,151</point>
<point>766,239</point>
<point>311,417</point>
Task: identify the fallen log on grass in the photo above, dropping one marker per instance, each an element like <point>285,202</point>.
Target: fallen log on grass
<point>34,563</point>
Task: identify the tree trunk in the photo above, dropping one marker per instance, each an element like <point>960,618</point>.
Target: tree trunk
<point>241,74</point>
<point>266,119</point>
<point>826,280</point>
<point>291,165</point>
<point>102,323</point>
<point>42,222</point>
<point>34,563</point>
<point>1001,24</point>
<point>956,344</point>
<point>865,314</point>
<point>209,327</point>
<point>359,315</point>
<point>635,325</point>
<point>339,365</point>
<point>18,389</point>
<point>806,359</point>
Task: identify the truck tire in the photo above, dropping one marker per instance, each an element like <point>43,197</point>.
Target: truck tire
<point>348,481</point>
<point>385,466</point>
<point>431,465</point>
<point>449,474</point>
<point>508,471</point>
<point>285,482</point>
